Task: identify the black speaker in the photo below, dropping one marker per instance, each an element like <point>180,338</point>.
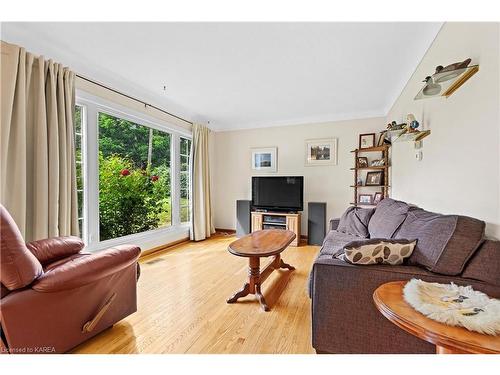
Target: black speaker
<point>243,218</point>
<point>316,222</point>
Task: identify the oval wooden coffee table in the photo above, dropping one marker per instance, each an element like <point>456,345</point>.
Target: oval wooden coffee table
<point>262,243</point>
<point>448,340</point>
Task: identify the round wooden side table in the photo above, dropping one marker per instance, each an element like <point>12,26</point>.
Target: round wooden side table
<point>389,301</point>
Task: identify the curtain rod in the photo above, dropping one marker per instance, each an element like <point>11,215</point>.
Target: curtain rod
<point>131,97</point>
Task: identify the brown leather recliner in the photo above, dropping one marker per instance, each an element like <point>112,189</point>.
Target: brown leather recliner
<point>54,297</point>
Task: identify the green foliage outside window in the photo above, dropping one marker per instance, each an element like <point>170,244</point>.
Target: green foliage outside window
<point>134,178</point>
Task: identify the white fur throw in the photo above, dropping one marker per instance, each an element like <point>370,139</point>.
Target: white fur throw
<point>454,305</point>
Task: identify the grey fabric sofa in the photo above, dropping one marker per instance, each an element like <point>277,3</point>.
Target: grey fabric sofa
<point>450,248</point>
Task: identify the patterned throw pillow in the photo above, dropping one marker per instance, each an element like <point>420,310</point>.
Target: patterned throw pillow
<point>378,251</point>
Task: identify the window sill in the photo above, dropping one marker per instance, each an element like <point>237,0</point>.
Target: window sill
<point>146,240</point>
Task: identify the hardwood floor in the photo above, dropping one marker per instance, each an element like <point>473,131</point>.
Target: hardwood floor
<point>182,305</point>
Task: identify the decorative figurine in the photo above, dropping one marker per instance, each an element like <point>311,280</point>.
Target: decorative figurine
<point>451,71</point>
<point>432,88</point>
<point>412,123</point>
<point>395,126</point>
<point>454,66</point>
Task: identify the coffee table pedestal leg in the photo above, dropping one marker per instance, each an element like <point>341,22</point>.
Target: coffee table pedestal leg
<point>255,281</point>
<point>285,265</point>
<point>245,291</point>
<point>256,278</point>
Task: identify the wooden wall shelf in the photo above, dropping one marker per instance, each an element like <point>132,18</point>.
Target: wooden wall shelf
<point>448,87</point>
<point>378,167</point>
<point>369,186</point>
<point>471,70</point>
<point>412,136</point>
<point>372,149</point>
<point>384,150</point>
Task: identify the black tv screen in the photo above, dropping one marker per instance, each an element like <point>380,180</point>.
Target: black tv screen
<point>278,193</point>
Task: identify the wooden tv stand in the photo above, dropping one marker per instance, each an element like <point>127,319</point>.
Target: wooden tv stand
<point>277,220</point>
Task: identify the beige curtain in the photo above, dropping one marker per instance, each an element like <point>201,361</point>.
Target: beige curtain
<point>202,222</point>
<point>38,172</point>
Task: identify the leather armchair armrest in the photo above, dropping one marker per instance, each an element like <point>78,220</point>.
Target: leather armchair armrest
<point>52,249</point>
<point>334,224</point>
<point>87,269</point>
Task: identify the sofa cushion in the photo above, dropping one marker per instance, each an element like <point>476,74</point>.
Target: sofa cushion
<point>378,250</point>
<point>445,242</point>
<point>18,266</point>
<point>485,264</point>
<point>335,241</point>
<point>387,218</point>
<point>355,221</point>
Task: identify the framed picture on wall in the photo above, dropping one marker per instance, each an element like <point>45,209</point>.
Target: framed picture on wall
<point>264,159</point>
<point>321,152</point>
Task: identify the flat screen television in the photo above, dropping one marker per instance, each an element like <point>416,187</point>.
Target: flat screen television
<point>278,193</point>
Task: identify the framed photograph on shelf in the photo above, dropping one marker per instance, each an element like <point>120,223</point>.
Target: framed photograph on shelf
<point>377,197</point>
<point>365,199</point>
<point>321,152</point>
<point>366,140</point>
<point>264,159</point>
<point>374,178</point>
<point>362,162</point>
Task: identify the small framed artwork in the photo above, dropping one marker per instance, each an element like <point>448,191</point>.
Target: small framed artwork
<point>264,159</point>
<point>365,199</point>
<point>377,197</point>
<point>362,162</point>
<point>374,178</point>
<point>321,151</point>
<point>366,140</point>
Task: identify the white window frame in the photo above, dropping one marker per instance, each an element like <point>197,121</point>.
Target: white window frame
<point>189,172</point>
<point>83,168</point>
<point>93,105</point>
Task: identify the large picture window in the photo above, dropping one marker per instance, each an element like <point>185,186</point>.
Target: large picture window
<point>136,184</point>
<point>134,178</point>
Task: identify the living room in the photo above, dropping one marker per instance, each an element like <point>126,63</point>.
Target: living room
<point>280,187</point>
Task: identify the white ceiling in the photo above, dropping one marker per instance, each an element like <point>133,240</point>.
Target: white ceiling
<point>242,75</point>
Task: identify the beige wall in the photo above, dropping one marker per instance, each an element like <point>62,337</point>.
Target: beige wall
<point>232,171</point>
<point>460,169</point>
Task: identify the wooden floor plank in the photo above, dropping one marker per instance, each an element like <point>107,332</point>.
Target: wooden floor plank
<point>182,309</point>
